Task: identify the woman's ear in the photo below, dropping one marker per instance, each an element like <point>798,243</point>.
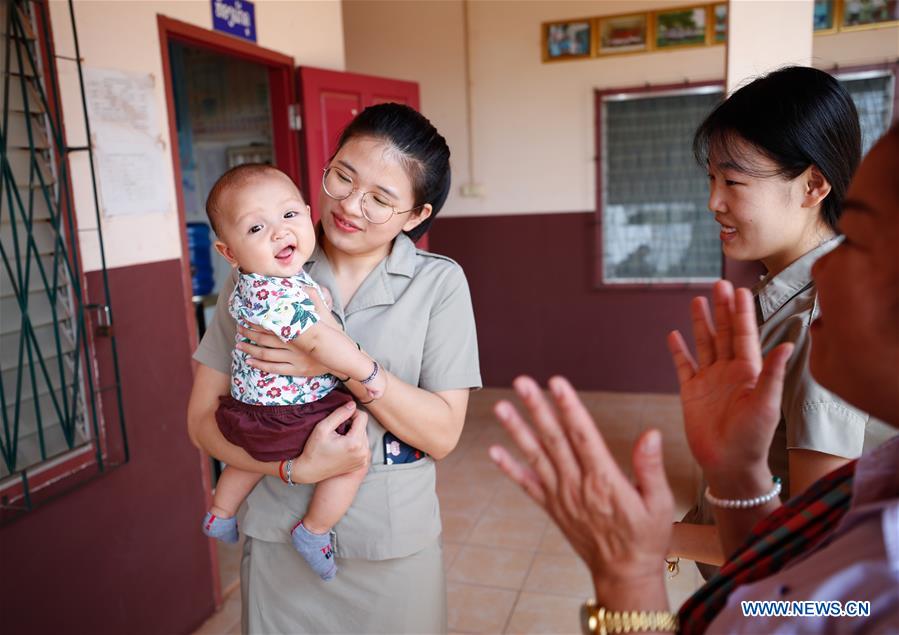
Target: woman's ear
<point>226,252</point>
<point>417,218</point>
<point>817,187</point>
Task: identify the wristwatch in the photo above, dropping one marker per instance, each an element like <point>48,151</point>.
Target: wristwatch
<point>596,620</point>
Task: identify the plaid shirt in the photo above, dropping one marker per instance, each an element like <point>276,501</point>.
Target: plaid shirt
<point>791,531</point>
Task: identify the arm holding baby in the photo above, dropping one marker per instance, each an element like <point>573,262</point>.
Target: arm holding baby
<point>296,317</point>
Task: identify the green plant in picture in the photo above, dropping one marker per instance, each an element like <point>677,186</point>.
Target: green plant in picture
<point>683,27</point>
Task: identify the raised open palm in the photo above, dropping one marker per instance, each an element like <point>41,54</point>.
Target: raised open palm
<point>731,399</point>
<point>620,528</point>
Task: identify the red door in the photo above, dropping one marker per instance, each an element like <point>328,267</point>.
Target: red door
<point>329,101</point>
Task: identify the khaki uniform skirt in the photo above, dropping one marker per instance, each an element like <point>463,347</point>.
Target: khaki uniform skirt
<point>281,594</point>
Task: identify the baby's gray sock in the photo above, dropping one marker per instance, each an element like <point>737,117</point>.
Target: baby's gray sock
<point>316,550</point>
<point>224,529</point>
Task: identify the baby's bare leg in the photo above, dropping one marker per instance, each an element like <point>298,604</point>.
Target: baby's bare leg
<point>331,499</point>
<point>232,488</point>
<point>311,536</point>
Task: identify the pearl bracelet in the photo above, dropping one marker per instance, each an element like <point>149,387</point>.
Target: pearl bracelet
<point>745,503</point>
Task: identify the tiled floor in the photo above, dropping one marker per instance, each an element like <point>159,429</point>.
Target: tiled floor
<point>509,570</point>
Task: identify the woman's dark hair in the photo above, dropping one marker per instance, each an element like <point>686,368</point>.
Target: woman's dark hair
<point>797,117</point>
<point>423,151</point>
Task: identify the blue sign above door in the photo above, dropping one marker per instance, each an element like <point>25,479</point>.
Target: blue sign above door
<point>235,17</point>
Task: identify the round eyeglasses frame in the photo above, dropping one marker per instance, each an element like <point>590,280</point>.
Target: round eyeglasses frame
<point>364,195</point>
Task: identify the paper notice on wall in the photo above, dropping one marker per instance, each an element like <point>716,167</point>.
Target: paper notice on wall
<point>129,153</point>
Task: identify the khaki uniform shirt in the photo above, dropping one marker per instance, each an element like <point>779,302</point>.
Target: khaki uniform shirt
<point>812,418</point>
<point>413,314</point>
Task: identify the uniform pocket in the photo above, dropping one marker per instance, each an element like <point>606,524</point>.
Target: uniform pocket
<point>412,499</point>
<point>395,513</point>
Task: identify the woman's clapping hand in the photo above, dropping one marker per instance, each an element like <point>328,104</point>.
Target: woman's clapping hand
<point>731,400</point>
<point>619,528</point>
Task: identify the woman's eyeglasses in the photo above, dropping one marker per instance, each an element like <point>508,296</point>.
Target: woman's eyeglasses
<point>375,207</point>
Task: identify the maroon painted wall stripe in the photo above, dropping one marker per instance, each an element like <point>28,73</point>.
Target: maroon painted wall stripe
<point>539,312</point>
<point>124,553</point>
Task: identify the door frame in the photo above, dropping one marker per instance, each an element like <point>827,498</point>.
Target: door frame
<point>282,94</point>
<point>285,146</point>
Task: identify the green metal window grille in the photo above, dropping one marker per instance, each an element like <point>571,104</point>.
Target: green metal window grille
<point>61,418</point>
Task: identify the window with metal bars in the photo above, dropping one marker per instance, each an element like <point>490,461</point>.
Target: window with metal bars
<point>55,429</point>
<point>655,227</point>
<point>654,222</point>
<point>873,92</point>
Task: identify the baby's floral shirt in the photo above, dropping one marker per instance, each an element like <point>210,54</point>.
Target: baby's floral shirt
<point>282,306</point>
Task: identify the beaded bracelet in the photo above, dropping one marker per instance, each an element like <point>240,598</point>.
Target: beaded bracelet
<point>374,373</point>
<point>745,503</point>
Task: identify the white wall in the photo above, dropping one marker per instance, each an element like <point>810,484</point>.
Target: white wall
<point>856,48</point>
<point>756,43</point>
<point>123,35</point>
<point>533,139</point>
<point>532,123</point>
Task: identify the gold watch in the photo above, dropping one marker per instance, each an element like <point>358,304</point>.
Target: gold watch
<point>596,620</point>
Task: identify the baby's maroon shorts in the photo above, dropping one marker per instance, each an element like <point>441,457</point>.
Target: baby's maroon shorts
<point>275,433</point>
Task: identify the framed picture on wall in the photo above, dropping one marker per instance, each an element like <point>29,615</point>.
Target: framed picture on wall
<point>719,23</point>
<point>681,27</point>
<point>862,14</point>
<point>824,17</point>
<point>567,40</point>
<point>622,34</point>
